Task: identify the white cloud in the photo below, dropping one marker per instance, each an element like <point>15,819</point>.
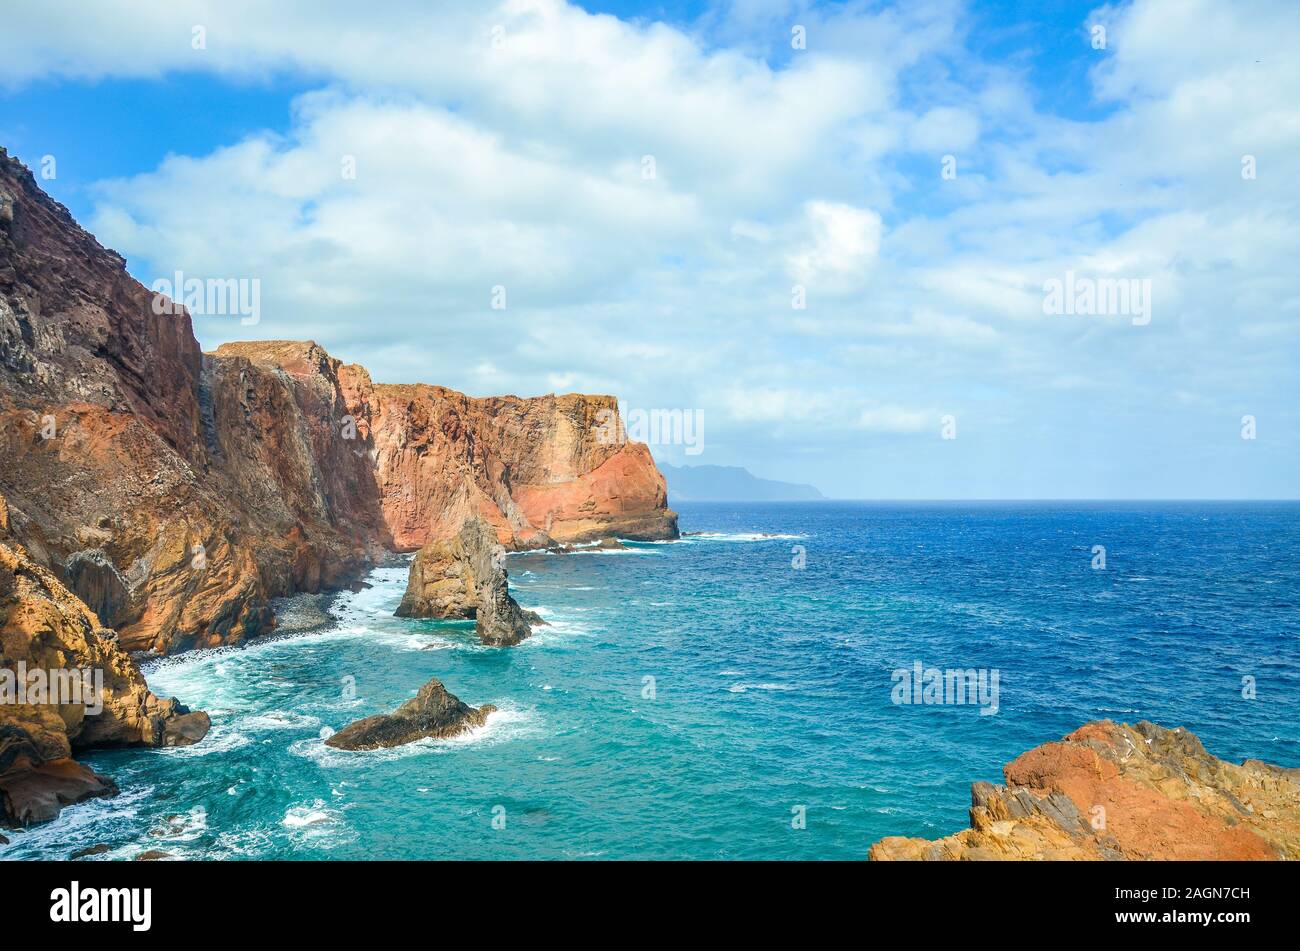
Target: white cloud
<point>841,244</point>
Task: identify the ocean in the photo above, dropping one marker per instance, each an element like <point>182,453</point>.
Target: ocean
<point>730,695</point>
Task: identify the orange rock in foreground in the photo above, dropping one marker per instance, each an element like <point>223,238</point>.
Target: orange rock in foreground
<point>1112,791</point>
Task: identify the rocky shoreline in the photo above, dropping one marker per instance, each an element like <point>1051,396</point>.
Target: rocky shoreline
<point>1110,791</point>
<point>44,627</point>
<point>158,499</point>
<point>178,492</point>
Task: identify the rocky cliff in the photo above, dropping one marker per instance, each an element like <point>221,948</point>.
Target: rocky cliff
<point>46,630</point>
<point>535,469</point>
<point>1113,791</point>
<point>177,492</point>
<point>156,498</point>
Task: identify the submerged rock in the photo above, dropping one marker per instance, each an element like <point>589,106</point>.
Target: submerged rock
<point>433,712</point>
<point>465,577</point>
<point>99,849</point>
<point>1113,791</point>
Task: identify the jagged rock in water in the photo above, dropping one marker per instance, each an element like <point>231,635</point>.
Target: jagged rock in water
<point>465,577</point>
<point>433,712</point>
<point>1114,791</point>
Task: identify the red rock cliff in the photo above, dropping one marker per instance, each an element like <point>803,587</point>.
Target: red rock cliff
<point>177,492</point>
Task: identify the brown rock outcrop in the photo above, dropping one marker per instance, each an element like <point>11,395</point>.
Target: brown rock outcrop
<point>536,469</point>
<point>45,628</point>
<point>433,712</point>
<point>465,577</point>
<point>179,491</point>
<point>1113,791</point>
<point>33,791</point>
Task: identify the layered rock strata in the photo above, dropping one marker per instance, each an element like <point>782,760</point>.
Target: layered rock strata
<point>431,713</point>
<point>100,699</point>
<point>156,498</point>
<point>177,492</point>
<point>465,577</point>
<point>1111,791</point>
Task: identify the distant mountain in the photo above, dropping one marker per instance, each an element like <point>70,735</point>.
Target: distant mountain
<point>730,484</point>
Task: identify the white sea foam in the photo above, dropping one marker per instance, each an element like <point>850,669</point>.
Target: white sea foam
<point>744,688</point>
<point>743,536</point>
<point>90,823</point>
<point>557,629</point>
<point>317,825</point>
<point>219,740</point>
<point>182,827</point>
<point>279,720</point>
<point>298,816</point>
<point>247,843</point>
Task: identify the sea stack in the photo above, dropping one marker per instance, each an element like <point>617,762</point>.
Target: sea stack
<point>1110,791</point>
<point>465,577</point>
<point>433,712</point>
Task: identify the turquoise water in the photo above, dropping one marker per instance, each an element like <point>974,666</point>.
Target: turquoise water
<point>771,688</point>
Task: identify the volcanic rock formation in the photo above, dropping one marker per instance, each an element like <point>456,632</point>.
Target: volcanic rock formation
<point>433,712</point>
<point>177,492</point>
<point>169,494</point>
<point>1113,791</point>
<point>45,628</point>
<point>465,577</point>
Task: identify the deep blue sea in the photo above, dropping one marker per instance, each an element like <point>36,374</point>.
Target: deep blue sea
<point>771,690</point>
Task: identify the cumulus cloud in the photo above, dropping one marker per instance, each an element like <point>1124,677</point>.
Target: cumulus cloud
<point>841,245</point>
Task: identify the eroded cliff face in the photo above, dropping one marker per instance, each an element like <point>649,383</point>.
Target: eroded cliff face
<point>178,492</point>
<point>1113,791</point>
<point>45,628</point>
<point>537,470</point>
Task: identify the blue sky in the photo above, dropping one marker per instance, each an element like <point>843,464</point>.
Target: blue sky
<point>520,163</point>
